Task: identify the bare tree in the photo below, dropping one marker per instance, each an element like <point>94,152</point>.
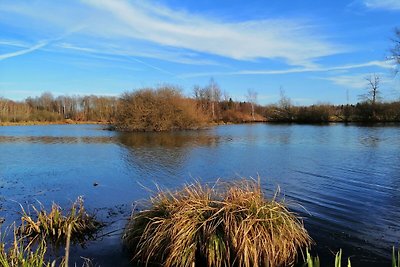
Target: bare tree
<point>252,99</point>
<point>285,102</point>
<point>285,106</point>
<point>215,94</point>
<point>395,50</point>
<point>46,100</point>
<point>373,94</point>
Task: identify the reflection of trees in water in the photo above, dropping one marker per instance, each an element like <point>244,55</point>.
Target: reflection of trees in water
<point>163,152</point>
<point>57,139</point>
<point>168,139</point>
<point>372,137</point>
<point>370,141</point>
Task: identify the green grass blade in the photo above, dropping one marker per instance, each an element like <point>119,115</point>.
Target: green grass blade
<point>338,259</point>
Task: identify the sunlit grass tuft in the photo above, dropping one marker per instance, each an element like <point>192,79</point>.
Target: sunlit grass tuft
<point>53,225</point>
<point>23,254</point>
<point>229,224</point>
<point>31,238</point>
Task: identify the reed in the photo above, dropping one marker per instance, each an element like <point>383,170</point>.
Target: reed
<point>23,254</point>
<point>53,225</point>
<point>395,258</point>
<point>314,261</point>
<point>228,224</point>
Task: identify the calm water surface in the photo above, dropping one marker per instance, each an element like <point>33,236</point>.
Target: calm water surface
<point>347,178</point>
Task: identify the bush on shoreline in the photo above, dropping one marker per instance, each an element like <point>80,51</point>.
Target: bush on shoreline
<point>163,109</point>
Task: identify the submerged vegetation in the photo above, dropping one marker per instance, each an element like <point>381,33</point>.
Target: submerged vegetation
<point>224,225</point>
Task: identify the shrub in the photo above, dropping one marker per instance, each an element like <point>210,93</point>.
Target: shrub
<point>229,224</point>
<point>314,114</point>
<point>163,109</point>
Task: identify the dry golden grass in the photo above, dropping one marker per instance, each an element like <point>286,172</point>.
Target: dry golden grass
<point>23,254</point>
<point>29,245</point>
<point>229,224</point>
<point>53,225</point>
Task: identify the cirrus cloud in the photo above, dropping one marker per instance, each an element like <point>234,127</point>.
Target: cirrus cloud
<point>383,4</point>
<point>147,28</point>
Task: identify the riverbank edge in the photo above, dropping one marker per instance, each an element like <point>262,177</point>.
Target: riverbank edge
<point>64,122</point>
<point>208,125</point>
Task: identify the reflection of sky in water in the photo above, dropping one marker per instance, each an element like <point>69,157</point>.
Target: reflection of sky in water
<point>347,177</point>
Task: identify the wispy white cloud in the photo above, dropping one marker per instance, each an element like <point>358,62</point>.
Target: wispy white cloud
<point>143,27</point>
<point>30,49</point>
<point>94,51</point>
<point>380,64</point>
<point>349,81</point>
<point>23,51</point>
<point>183,58</point>
<point>14,43</point>
<point>382,4</point>
<point>359,80</point>
<point>249,40</point>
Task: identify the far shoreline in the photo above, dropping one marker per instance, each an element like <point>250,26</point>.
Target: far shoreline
<point>213,124</point>
<point>64,122</point>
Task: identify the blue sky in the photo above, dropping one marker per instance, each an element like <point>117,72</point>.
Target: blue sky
<point>317,51</point>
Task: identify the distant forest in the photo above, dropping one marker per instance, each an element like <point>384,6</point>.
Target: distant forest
<point>166,108</point>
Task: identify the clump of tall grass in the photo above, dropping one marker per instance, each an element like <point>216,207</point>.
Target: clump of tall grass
<point>54,225</point>
<point>315,262</point>
<point>23,254</point>
<point>228,224</point>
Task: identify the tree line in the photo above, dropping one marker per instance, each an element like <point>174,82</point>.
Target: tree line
<point>47,108</point>
<point>166,108</point>
<point>157,109</point>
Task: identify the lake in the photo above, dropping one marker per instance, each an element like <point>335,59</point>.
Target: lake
<point>343,179</point>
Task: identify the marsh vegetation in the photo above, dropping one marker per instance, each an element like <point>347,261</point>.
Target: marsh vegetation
<point>36,239</point>
<point>226,224</point>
